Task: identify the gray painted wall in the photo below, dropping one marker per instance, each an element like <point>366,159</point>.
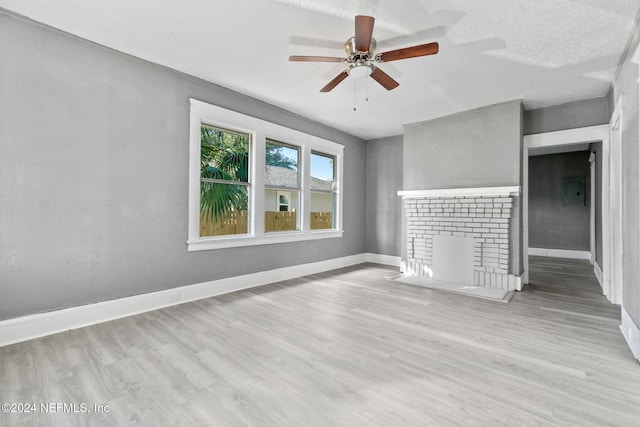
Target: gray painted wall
<point>552,225</point>
<point>626,88</point>
<point>384,207</point>
<point>567,116</point>
<point>93,176</point>
<point>477,148</point>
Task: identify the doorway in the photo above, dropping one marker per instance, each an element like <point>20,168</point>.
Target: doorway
<point>573,138</point>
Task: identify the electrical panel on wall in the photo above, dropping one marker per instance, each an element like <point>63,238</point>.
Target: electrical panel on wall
<point>573,191</point>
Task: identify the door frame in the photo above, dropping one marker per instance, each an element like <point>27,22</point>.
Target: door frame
<point>589,134</point>
<point>616,205</point>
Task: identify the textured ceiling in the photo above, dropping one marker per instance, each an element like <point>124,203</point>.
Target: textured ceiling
<point>546,52</point>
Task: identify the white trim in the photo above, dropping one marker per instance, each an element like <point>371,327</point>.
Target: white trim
<point>518,283</point>
<point>391,260</point>
<point>598,272</point>
<point>525,213</point>
<point>631,333</point>
<point>204,244</point>
<point>616,206</point>
<point>635,58</point>
<point>462,192</point>
<point>598,133</point>
<point>202,112</point>
<point>592,208</point>
<point>39,325</point>
<point>560,253</point>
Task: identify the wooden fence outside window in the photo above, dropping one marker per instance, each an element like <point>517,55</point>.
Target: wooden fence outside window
<point>238,223</point>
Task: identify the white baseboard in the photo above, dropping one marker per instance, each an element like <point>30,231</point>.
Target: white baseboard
<point>383,259</point>
<point>560,253</point>
<point>39,325</point>
<point>598,272</point>
<point>631,333</point>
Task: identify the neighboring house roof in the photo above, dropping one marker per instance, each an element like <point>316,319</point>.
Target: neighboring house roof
<point>282,177</point>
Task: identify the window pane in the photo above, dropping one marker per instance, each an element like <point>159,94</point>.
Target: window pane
<point>281,210</point>
<point>224,154</point>
<point>281,170</point>
<point>322,210</point>
<point>281,165</point>
<point>223,209</point>
<point>322,172</point>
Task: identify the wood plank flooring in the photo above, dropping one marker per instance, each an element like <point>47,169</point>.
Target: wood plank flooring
<point>346,347</point>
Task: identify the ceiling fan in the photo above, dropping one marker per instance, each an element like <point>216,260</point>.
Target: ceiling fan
<point>360,56</point>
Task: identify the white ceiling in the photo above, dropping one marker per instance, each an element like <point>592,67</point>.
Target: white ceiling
<point>546,52</point>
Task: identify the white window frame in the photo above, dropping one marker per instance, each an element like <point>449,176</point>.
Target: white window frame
<point>260,130</point>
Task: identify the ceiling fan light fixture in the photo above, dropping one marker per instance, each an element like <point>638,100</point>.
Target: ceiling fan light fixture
<point>360,70</point>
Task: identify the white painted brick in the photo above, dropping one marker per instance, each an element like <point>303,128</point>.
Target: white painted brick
<point>499,220</point>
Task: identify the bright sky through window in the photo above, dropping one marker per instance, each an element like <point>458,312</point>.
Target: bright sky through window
<point>322,166</point>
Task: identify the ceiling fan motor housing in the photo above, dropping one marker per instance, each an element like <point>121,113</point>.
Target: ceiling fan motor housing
<point>354,55</point>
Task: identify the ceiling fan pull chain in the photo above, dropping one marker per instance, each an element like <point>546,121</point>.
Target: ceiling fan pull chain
<point>355,85</point>
<point>366,93</point>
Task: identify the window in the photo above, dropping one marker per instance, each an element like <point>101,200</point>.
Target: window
<point>322,191</point>
<point>252,182</point>
<point>224,181</point>
<point>284,201</point>
<point>281,172</point>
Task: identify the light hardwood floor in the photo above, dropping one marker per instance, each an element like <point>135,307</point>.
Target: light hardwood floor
<point>346,347</point>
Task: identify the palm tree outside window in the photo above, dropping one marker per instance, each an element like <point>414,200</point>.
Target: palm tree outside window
<point>224,181</point>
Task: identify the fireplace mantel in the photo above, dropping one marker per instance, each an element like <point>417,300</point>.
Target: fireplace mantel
<point>462,192</point>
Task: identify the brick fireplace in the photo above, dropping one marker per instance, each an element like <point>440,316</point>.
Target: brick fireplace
<point>461,235</point>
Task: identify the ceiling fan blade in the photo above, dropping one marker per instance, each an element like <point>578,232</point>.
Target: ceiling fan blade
<point>409,52</point>
<point>364,31</point>
<point>384,79</point>
<point>333,83</point>
<point>298,58</point>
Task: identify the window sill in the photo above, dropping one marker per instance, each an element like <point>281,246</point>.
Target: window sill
<point>206,244</point>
